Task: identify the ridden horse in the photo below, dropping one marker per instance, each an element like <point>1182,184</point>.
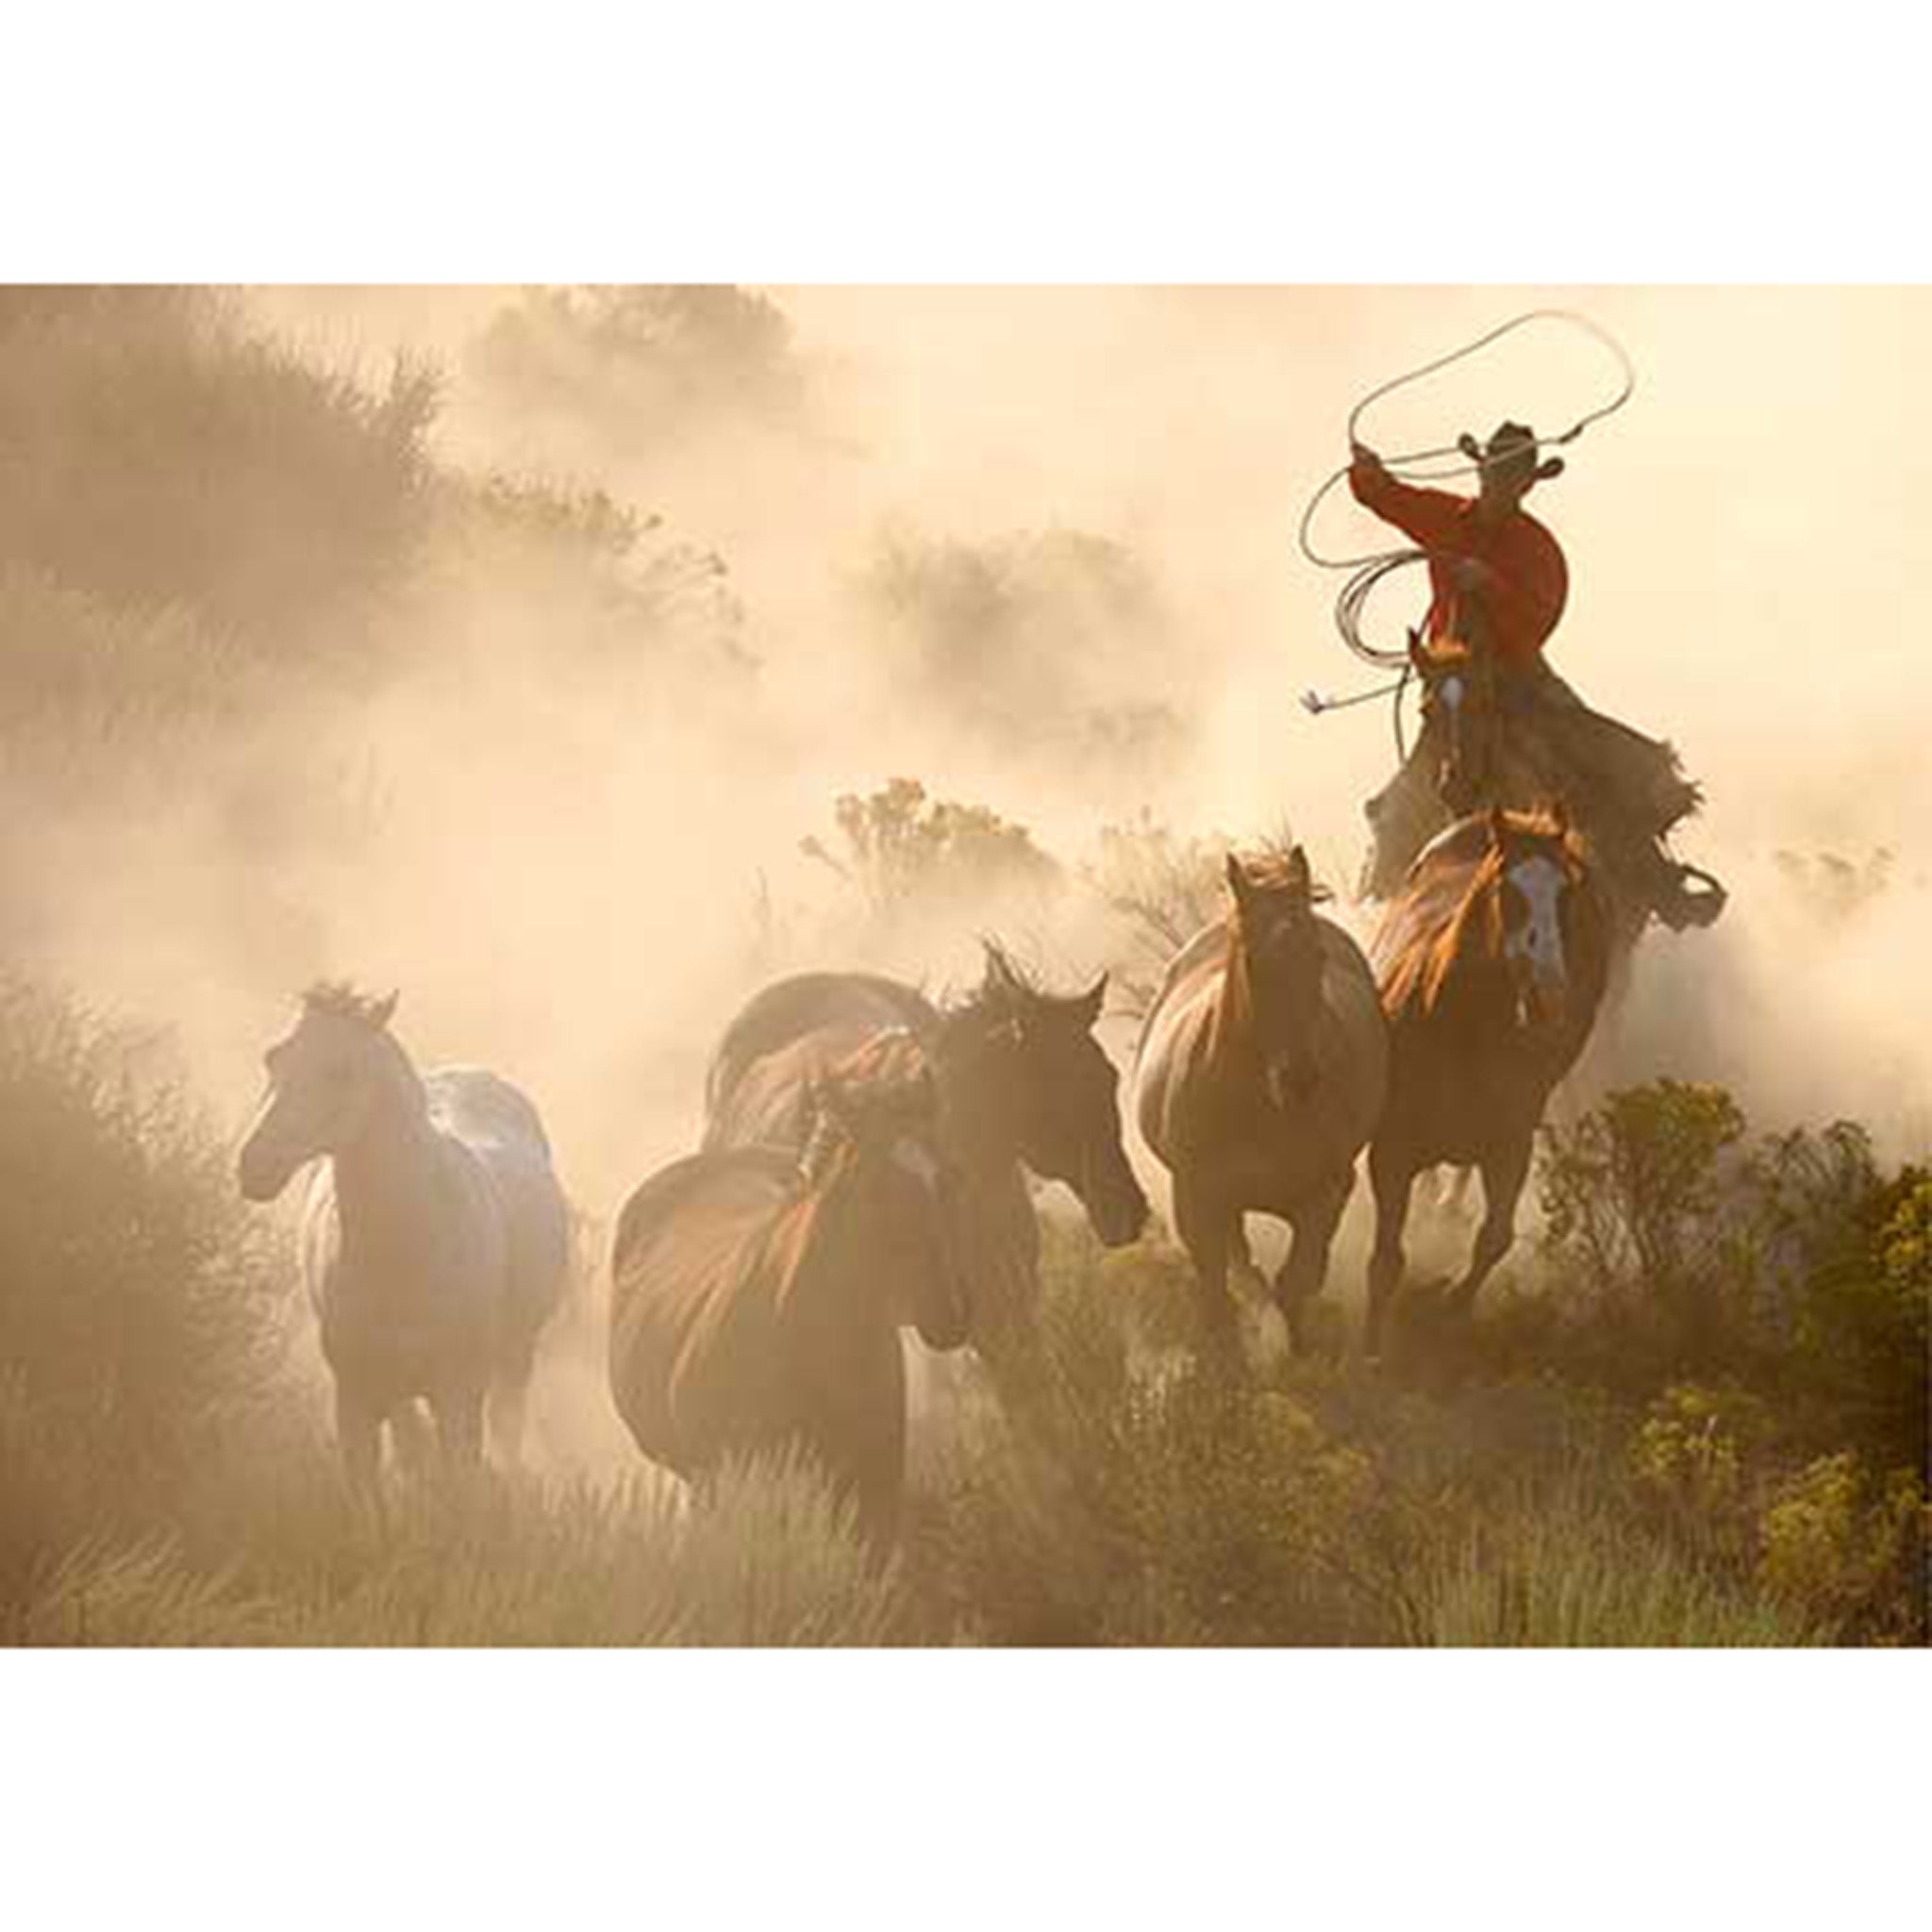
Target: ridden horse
<point>434,1241</point>
<point>757,1296</point>
<point>1492,964</point>
<point>1485,741</point>
<point>1259,1077</point>
<point>1021,1082</point>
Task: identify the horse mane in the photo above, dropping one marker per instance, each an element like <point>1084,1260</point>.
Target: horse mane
<point>1424,970</point>
<point>1446,654</point>
<point>891,1070</point>
<point>1005,979</point>
<point>1272,870</point>
<point>1007,986</point>
<point>338,999</point>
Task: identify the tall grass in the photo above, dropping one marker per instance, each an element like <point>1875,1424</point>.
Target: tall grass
<point>764,1556</point>
<point>1572,1571</point>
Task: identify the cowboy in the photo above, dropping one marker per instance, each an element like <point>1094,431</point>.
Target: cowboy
<point>1498,576</point>
<point>1499,584</point>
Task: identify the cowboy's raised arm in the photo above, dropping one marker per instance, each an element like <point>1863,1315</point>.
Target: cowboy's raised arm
<point>1427,516</point>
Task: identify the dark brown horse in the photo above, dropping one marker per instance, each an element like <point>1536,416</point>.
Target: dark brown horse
<point>1021,1081</point>
<point>1259,1077</point>
<point>756,1297</point>
<point>1492,964</point>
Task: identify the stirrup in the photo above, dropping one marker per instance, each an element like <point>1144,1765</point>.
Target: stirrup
<point>1694,898</point>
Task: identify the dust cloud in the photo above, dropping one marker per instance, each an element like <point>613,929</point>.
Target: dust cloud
<point>1035,549</point>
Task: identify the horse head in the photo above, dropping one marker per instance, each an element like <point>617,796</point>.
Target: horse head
<point>325,1078</point>
<point>1542,919</point>
<point>1275,954</point>
<point>1459,721</point>
<point>876,1139</point>
<point>1053,1086</point>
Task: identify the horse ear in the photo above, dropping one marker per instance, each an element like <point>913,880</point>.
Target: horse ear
<point>1498,829</point>
<point>1236,880</point>
<point>384,1010</point>
<point>1559,816</point>
<point>1300,879</point>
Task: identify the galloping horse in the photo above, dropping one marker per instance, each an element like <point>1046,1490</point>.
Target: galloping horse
<point>1492,963</point>
<point>1259,1077</point>
<point>1021,1080</point>
<point>757,1296</point>
<point>435,1239</point>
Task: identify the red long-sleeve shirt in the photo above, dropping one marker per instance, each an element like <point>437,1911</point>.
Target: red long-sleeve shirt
<point>1526,583</point>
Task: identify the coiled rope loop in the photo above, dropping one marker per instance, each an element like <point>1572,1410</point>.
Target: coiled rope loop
<point>1369,571</point>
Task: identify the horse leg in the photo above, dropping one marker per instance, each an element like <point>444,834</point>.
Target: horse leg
<point>1391,1180</point>
<point>358,1426</point>
<point>510,1393</point>
<point>1504,1174</point>
<point>1302,1275</point>
<point>1241,1259</point>
<point>410,1434</point>
<point>1206,1230</point>
<point>460,1426</point>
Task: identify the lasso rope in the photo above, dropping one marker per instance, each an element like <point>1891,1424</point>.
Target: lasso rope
<point>1369,571</point>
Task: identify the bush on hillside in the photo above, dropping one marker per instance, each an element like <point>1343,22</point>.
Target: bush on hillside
<point>162,453</point>
<point>142,1306</point>
<point>638,366</point>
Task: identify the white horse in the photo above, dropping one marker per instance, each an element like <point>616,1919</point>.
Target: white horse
<point>434,1236</point>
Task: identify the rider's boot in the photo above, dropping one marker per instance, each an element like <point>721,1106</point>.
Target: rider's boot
<point>1682,896</point>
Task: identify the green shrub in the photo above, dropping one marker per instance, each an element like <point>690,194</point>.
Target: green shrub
<point>1797,1269</point>
<point>1694,1450</point>
<point>1634,1195</point>
<point>1849,1550</point>
<point>1122,1494</point>
<point>1861,1353</point>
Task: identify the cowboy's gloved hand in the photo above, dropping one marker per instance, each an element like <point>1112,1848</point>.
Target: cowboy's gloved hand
<point>1363,457</point>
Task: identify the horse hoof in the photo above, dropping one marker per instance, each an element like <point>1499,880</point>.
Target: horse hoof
<point>1248,1283</point>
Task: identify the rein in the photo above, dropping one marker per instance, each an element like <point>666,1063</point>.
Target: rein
<point>1314,703</point>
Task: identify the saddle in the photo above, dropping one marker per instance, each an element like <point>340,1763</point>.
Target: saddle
<point>1625,792</point>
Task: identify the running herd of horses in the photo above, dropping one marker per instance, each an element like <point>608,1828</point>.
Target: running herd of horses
<point>866,1158</point>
